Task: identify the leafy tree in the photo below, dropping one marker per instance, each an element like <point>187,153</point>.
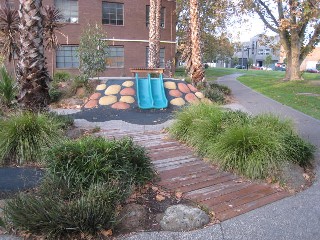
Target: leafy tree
<point>268,60</point>
<point>92,51</point>
<point>154,33</point>
<point>296,22</point>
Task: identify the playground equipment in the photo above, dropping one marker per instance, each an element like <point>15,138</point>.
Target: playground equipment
<point>150,92</point>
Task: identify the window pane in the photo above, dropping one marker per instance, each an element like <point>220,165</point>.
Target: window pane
<point>67,57</point>
<point>69,10</point>
<point>115,57</point>
<point>112,13</point>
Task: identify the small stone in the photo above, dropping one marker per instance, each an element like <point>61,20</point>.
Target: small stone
<point>127,99</point>
<point>120,106</point>
<point>95,96</point>
<point>192,88</point>
<point>175,93</point>
<point>128,84</point>
<point>107,100</point>
<point>183,218</point>
<point>190,97</point>
<point>91,104</point>
<point>128,91</point>
<point>170,85</point>
<point>81,91</point>
<point>183,88</point>
<point>132,217</point>
<point>199,94</point>
<point>177,102</point>
<point>101,87</point>
<point>113,89</point>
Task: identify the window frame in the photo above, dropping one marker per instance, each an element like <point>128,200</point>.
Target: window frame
<point>67,18</point>
<point>116,13</point>
<point>163,62</point>
<point>162,19</point>
<point>108,57</point>
<point>74,54</point>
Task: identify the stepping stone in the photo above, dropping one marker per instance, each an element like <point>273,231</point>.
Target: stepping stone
<point>199,94</point>
<point>120,106</point>
<point>183,88</point>
<point>107,100</point>
<point>113,89</point>
<point>101,87</point>
<point>128,84</point>
<point>190,97</point>
<point>91,104</point>
<point>95,96</point>
<point>170,85</point>
<point>127,99</point>
<point>192,88</point>
<point>206,100</point>
<point>177,102</point>
<point>128,91</point>
<point>175,93</point>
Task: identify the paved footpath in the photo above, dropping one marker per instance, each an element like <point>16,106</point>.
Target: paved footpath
<point>293,218</point>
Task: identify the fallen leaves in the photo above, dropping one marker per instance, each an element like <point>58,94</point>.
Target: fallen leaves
<point>106,233</point>
<point>160,198</point>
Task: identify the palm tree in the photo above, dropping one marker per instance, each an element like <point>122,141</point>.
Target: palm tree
<point>9,29</point>
<point>154,33</point>
<point>196,69</point>
<point>33,75</point>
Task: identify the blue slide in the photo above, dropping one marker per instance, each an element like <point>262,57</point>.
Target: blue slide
<point>150,92</point>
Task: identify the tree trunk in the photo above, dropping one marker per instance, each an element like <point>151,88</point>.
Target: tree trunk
<point>33,74</point>
<point>154,33</point>
<point>197,70</point>
<point>293,72</point>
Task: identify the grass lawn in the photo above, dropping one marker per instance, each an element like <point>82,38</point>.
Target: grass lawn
<point>301,95</point>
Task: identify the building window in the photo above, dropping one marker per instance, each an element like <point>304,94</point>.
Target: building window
<point>267,51</point>
<point>69,10</point>
<point>260,51</point>
<point>67,57</point>
<point>115,57</point>
<point>162,55</point>
<point>112,13</point>
<point>162,20</point>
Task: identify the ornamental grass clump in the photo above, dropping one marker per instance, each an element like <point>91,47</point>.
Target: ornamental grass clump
<point>86,181</point>
<point>256,147</point>
<point>25,137</point>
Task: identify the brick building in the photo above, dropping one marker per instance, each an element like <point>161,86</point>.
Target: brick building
<point>126,26</point>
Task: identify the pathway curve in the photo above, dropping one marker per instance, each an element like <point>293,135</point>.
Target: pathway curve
<point>224,193</point>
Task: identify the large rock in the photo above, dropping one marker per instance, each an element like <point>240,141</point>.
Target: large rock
<point>132,217</point>
<point>183,218</point>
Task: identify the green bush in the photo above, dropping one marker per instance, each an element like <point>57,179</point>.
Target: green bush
<point>8,87</point>
<point>92,160</point>
<point>61,77</point>
<point>26,136</point>
<point>62,121</point>
<point>226,90</point>
<point>90,213</point>
<point>252,146</point>
<point>55,94</point>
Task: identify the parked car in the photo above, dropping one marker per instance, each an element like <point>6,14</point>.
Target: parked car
<point>312,70</point>
<point>240,67</point>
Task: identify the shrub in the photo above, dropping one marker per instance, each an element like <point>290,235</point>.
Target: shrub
<point>226,90</point>
<point>61,77</point>
<point>92,160</point>
<point>8,87</point>
<point>62,121</point>
<point>93,211</point>
<point>214,95</point>
<point>26,136</point>
<point>55,94</point>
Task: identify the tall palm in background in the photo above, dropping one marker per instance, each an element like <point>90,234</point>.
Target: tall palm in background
<point>196,70</point>
<point>33,75</point>
<point>154,33</point>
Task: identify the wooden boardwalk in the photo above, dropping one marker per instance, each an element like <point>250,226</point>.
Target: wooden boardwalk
<point>224,193</point>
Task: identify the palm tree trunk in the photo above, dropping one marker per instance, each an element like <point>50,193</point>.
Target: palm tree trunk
<point>154,33</point>
<point>197,70</point>
<point>32,71</point>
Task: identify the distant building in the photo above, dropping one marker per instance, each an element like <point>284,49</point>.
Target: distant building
<point>257,50</point>
<point>126,23</point>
